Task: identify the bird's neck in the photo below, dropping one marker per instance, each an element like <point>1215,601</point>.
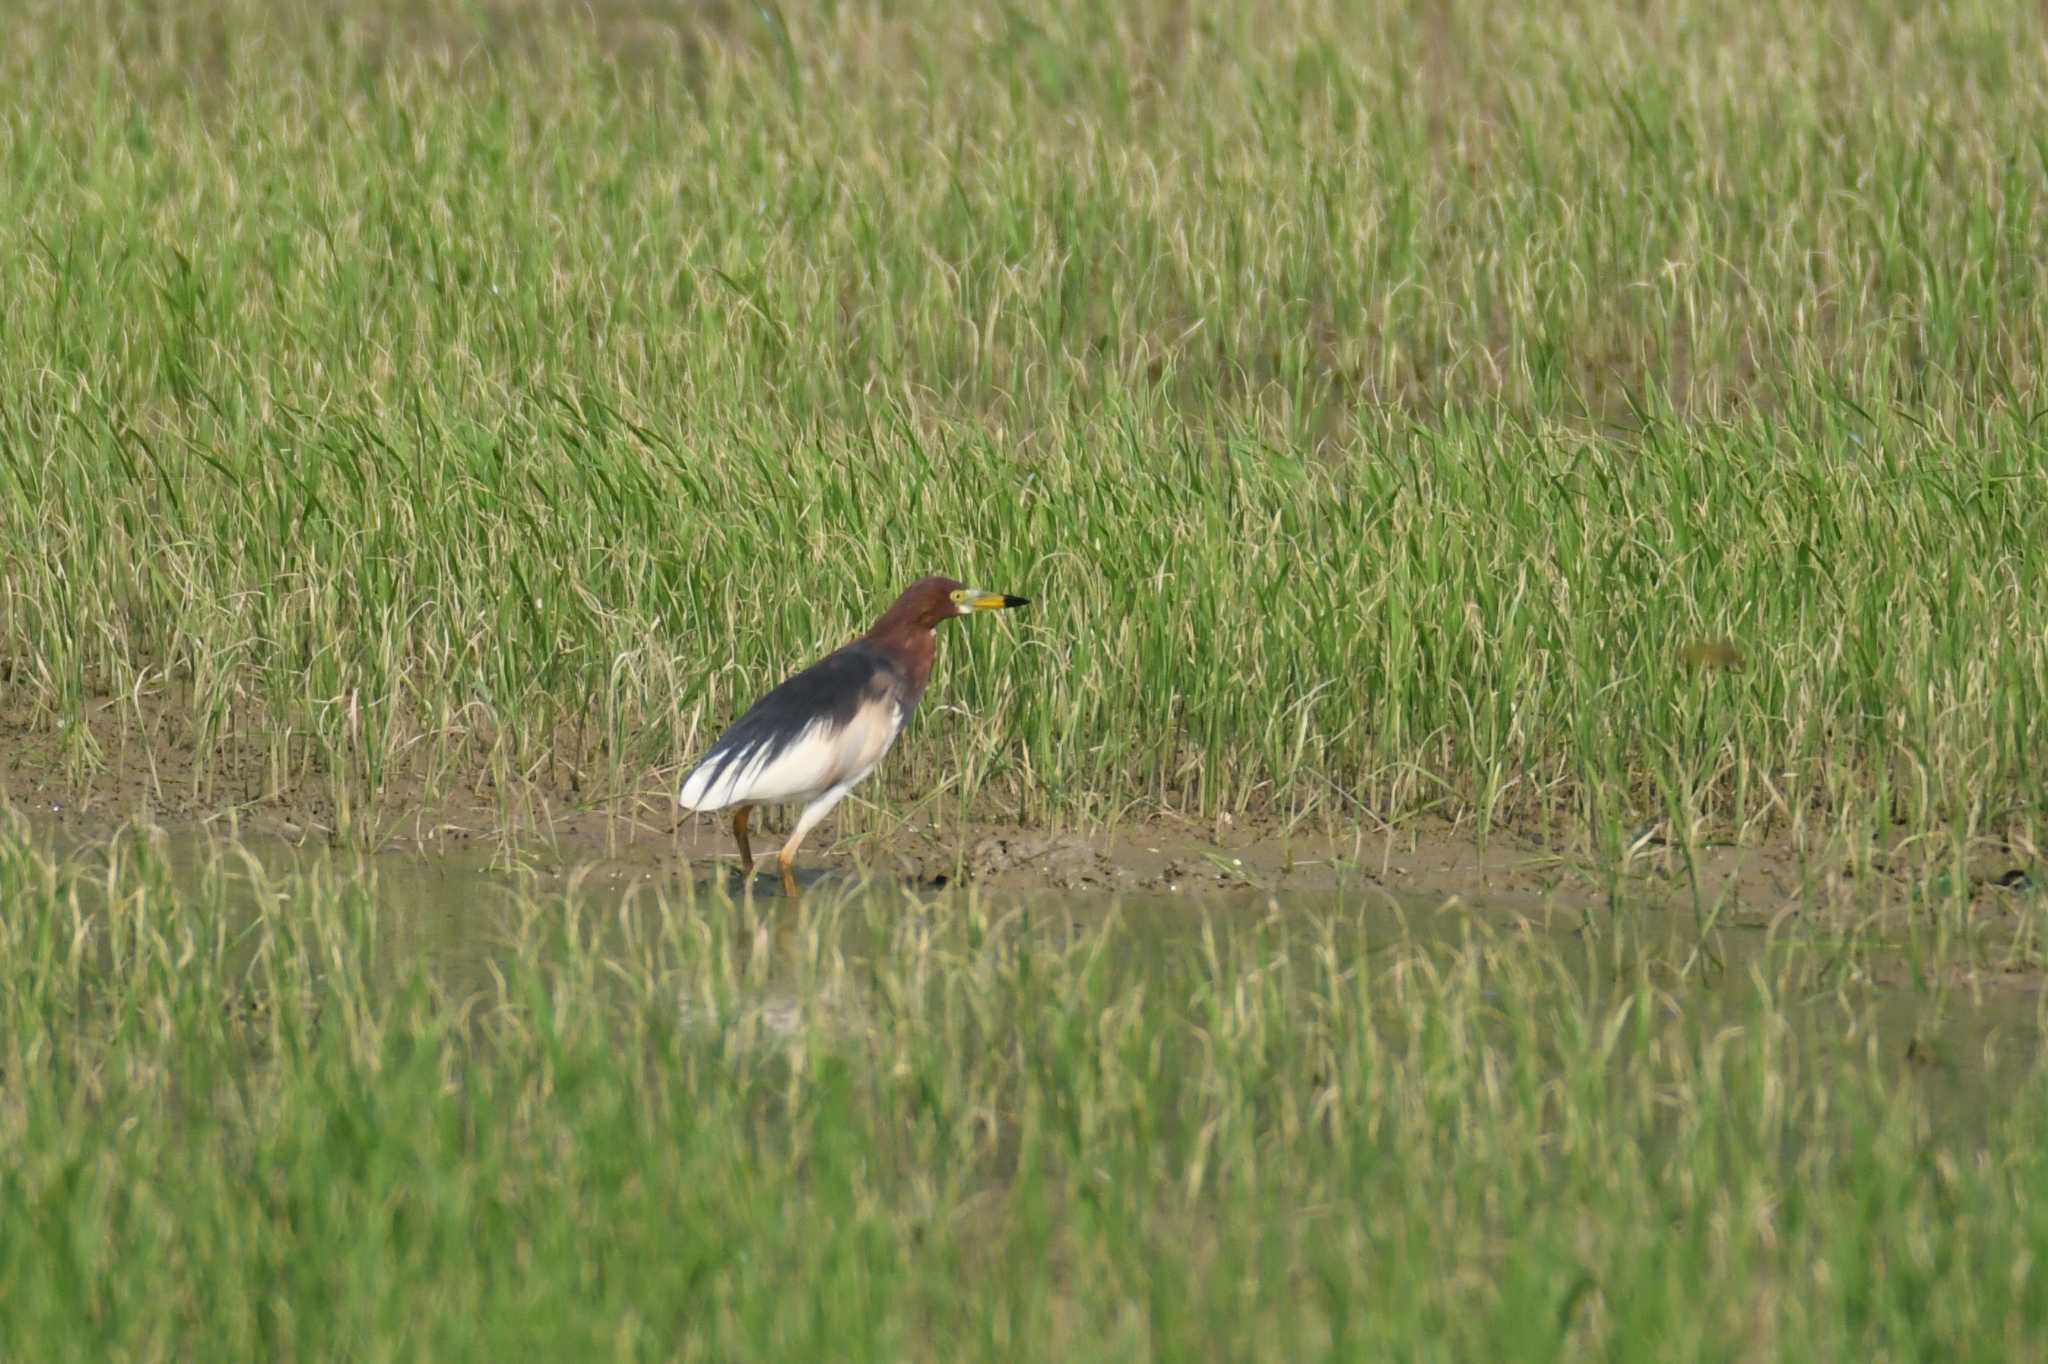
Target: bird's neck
<point>912,646</point>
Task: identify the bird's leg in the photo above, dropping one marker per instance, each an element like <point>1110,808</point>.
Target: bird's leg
<point>786,859</point>
<point>739,832</point>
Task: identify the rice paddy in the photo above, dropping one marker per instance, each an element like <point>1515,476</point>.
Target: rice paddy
<point>313,1108</point>
<point>1605,433</point>
<point>1382,405</point>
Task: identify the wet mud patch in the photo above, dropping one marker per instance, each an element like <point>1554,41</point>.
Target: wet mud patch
<point>553,822</point>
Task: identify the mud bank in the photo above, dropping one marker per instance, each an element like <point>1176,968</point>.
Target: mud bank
<point>553,821</point>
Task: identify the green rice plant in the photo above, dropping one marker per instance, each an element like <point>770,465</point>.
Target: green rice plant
<point>1379,401</point>
<point>307,1108</point>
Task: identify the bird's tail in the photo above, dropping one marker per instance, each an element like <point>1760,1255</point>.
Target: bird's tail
<point>696,791</point>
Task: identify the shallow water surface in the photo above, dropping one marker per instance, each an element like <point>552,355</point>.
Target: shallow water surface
<point>848,947</point>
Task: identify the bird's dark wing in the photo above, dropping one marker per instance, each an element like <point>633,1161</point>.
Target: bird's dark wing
<point>812,707</point>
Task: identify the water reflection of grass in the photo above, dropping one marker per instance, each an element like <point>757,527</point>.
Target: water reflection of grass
<point>1382,403</point>
<point>246,1114</point>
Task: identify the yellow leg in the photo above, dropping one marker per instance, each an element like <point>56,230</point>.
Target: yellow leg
<point>786,859</point>
<point>739,832</point>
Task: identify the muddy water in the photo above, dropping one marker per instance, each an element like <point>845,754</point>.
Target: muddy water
<point>1967,1039</point>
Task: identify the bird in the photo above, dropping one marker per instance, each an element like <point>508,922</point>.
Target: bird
<point>820,731</point>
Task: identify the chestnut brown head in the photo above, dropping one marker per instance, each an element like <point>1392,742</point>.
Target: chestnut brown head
<point>928,601</point>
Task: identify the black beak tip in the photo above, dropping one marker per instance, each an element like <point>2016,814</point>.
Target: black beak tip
<point>1012,603</point>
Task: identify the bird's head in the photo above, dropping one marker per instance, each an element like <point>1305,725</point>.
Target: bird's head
<point>928,601</point>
